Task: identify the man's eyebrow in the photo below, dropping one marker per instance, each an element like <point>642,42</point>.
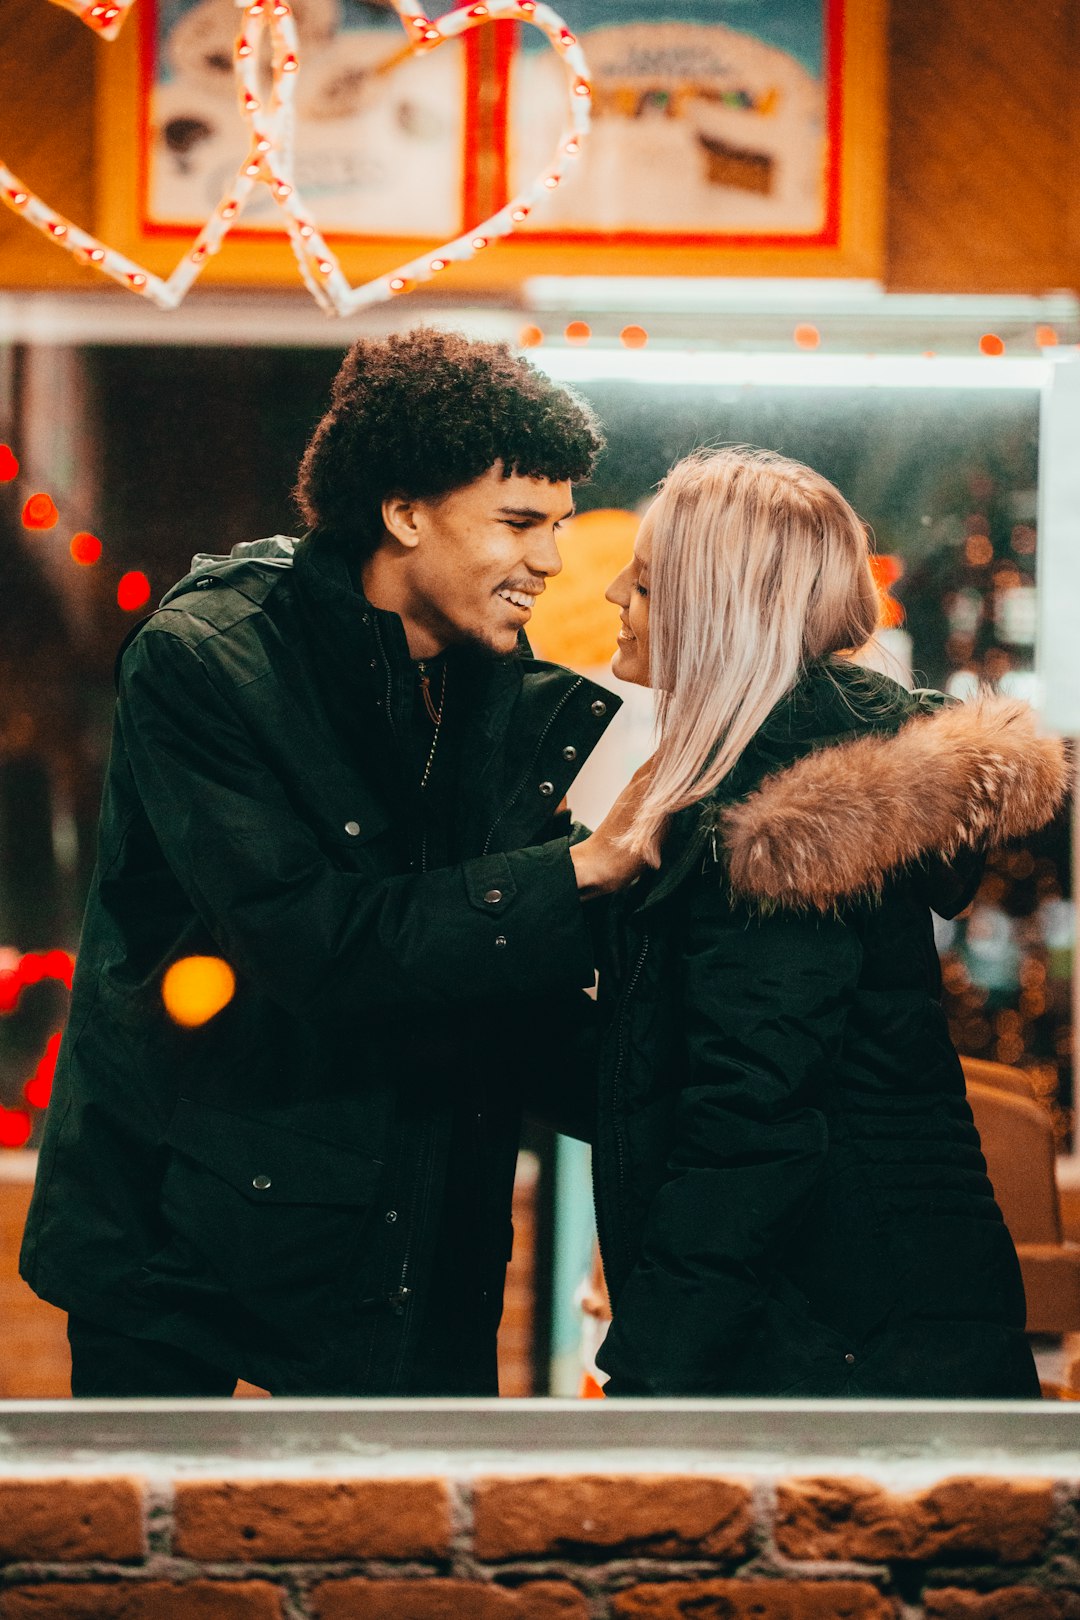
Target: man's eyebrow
<point>532,514</point>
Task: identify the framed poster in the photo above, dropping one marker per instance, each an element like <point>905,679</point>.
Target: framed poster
<point>738,137</point>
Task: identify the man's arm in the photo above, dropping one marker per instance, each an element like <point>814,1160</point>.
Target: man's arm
<point>324,941</point>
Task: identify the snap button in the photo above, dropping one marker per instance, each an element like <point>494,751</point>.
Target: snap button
<point>547,789</point>
<point>500,939</point>
<point>261,1183</point>
<point>353,829</point>
<point>850,1359</point>
<point>201,584</point>
<point>569,753</point>
<point>493,897</point>
<point>390,1217</point>
<point>599,708</point>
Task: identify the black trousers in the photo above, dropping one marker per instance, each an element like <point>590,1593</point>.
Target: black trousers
<point>104,1364</point>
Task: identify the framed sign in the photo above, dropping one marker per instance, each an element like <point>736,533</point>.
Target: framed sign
<point>742,137</point>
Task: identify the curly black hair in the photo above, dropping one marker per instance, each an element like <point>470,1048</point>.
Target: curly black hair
<point>425,412</point>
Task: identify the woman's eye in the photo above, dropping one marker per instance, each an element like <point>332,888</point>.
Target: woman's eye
<point>642,590</point>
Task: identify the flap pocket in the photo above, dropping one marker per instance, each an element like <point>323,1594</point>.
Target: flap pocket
<point>268,1163</point>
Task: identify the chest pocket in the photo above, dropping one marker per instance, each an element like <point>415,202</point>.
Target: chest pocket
<point>268,1163</point>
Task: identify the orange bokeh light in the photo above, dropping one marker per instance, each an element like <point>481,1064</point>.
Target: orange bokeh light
<point>578,332</point>
<point>977,550</point>
<point>634,337</point>
<point>530,337</point>
<point>196,988</point>
<point>1046,337</point>
<point>990,343</point>
<point>40,512</point>
<point>806,336</point>
<point>85,548</point>
<point>133,591</point>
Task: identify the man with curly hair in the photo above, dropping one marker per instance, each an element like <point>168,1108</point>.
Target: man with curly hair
<point>337,768</point>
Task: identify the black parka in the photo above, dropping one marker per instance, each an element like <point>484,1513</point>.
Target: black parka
<point>266,1190</point>
<point>791,1196</point>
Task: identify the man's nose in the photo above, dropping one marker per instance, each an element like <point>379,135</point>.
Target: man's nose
<point>543,555</point>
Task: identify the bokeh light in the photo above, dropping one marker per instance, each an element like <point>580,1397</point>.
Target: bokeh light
<point>530,337</point>
<point>40,512</point>
<point>806,336</point>
<point>9,464</point>
<point>990,343</point>
<point>85,548</point>
<point>634,337</point>
<point>578,332</point>
<point>196,988</point>
<point>133,591</point>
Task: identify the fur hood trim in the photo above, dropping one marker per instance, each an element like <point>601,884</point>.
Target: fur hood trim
<point>832,826</point>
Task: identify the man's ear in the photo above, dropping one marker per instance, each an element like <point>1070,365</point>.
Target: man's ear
<point>399,520</point>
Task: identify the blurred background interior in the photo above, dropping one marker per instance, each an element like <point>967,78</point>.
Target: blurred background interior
<point>874,272</point>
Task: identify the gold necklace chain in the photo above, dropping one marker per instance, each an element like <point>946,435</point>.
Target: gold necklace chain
<point>435,715</point>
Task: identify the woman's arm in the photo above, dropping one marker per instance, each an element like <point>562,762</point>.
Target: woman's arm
<point>764,1002</point>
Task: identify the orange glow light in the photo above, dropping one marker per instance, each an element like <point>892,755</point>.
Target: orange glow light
<point>196,988</point>
<point>85,548</point>
<point>9,464</point>
<point>530,337</point>
<point>133,591</point>
<point>578,332</point>
<point>1045,337</point>
<point>634,337</point>
<point>990,343</point>
<point>40,512</point>
<point>977,550</point>
<point>806,337</point>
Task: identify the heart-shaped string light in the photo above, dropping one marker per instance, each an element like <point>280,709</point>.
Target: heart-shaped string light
<point>270,158</point>
<point>105,17</point>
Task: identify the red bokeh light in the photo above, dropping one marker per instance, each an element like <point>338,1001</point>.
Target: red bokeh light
<point>133,591</point>
<point>15,1127</point>
<point>9,464</point>
<point>38,1089</point>
<point>40,512</point>
<point>990,343</point>
<point>85,548</point>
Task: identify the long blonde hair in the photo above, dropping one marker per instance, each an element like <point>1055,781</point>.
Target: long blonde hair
<point>759,566</point>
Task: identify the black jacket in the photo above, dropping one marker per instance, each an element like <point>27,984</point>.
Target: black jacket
<point>790,1192</point>
<point>267,1190</point>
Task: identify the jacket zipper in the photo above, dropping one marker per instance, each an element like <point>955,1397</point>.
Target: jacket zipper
<point>527,772</point>
<point>620,1149</point>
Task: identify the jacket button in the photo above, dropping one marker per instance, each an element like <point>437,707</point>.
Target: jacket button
<point>353,829</point>
<point>261,1183</point>
<point>547,789</point>
<point>390,1217</point>
<point>850,1359</point>
<point>500,940</point>
<point>493,897</point>
<point>569,753</point>
<point>599,709</point>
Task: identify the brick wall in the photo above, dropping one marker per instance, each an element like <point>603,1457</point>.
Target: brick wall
<point>549,1547</point>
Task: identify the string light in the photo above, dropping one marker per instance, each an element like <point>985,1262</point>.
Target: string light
<point>133,591</point>
<point>39,512</point>
<point>85,548</point>
<point>318,265</point>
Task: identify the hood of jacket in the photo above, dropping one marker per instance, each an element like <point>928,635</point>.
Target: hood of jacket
<point>241,567</point>
<point>832,826</point>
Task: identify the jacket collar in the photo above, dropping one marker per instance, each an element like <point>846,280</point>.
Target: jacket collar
<point>853,778</point>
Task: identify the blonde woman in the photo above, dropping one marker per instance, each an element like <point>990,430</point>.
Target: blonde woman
<point>790,1192</point>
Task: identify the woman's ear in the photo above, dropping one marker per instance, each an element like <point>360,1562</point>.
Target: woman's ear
<point>399,513</point>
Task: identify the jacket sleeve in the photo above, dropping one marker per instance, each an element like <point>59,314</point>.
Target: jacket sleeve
<point>322,940</point>
<point>764,1004</point>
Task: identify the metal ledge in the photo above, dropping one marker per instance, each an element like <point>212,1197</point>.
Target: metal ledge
<point>1000,1437</point>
